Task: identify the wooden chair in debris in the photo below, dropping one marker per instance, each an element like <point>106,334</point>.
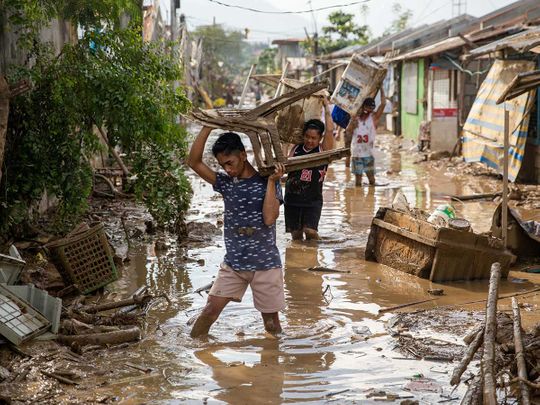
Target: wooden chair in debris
<point>259,124</point>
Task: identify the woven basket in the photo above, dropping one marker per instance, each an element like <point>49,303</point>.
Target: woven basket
<point>85,259</point>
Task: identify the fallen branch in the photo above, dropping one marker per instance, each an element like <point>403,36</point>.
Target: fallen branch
<point>383,310</point>
<point>490,334</point>
<point>326,270</point>
<point>113,189</point>
<point>469,355</point>
<point>139,300</point>
<point>59,378</point>
<point>535,386</point>
<point>474,197</point>
<point>501,297</point>
<point>520,356</point>
<point>140,291</point>
<point>472,334</point>
<point>107,338</point>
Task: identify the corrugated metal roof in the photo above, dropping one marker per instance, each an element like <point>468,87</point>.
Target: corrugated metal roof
<point>454,42</point>
<point>521,42</point>
<point>442,46</point>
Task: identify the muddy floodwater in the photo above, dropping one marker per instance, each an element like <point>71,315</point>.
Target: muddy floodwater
<point>335,345</point>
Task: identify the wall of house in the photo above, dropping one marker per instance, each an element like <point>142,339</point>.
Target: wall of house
<point>57,33</point>
<point>410,123</point>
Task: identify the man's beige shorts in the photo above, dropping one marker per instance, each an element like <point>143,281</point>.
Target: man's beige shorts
<point>266,285</point>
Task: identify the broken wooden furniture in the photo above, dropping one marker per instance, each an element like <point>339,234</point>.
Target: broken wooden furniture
<point>259,124</point>
<point>415,246</point>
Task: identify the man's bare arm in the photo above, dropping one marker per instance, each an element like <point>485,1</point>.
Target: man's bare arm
<point>328,141</point>
<point>196,154</point>
<point>271,203</point>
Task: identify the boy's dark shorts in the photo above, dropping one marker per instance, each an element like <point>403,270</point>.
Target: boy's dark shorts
<point>298,218</point>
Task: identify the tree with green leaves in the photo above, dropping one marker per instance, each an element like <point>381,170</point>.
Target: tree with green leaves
<point>402,20</point>
<point>266,62</point>
<point>225,55</point>
<point>109,80</point>
<point>341,32</point>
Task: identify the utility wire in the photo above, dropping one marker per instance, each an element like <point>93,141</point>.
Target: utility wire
<point>289,12</point>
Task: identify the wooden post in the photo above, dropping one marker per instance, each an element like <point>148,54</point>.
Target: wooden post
<point>488,357</point>
<point>504,222</point>
<point>244,90</point>
<point>283,75</point>
<point>520,357</point>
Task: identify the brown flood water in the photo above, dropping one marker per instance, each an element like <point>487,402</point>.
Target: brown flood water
<point>323,355</point>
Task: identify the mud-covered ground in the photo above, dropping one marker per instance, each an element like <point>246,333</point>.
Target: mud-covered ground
<point>336,346</point>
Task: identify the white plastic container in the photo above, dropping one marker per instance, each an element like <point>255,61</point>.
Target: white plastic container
<point>362,78</point>
<point>442,215</point>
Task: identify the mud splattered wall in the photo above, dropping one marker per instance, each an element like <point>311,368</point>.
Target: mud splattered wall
<point>412,95</point>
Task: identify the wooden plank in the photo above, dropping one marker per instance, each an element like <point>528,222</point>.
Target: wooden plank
<point>400,231</point>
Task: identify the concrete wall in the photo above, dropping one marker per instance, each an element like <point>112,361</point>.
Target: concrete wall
<point>57,34</point>
<point>410,123</point>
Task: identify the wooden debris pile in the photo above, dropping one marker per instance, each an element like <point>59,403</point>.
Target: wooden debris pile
<point>509,366</point>
<point>89,327</point>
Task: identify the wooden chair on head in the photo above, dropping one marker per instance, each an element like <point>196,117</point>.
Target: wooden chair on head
<point>259,124</point>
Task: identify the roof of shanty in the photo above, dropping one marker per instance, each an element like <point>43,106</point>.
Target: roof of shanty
<point>286,41</point>
<point>434,32</point>
<point>519,11</point>
<point>384,44</point>
<point>525,41</point>
<point>455,42</point>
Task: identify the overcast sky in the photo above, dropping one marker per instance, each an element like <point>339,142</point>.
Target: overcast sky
<point>265,27</point>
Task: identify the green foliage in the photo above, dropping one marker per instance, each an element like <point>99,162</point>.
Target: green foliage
<point>401,21</point>
<point>109,79</point>
<point>267,61</point>
<point>342,32</point>
<point>225,55</point>
<point>161,183</point>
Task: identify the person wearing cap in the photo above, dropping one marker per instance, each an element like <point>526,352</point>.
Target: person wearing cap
<point>362,130</point>
<point>303,189</point>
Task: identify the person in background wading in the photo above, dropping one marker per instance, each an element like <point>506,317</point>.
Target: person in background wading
<point>361,130</point>
<point>303,188</point>
<point>251,210</point>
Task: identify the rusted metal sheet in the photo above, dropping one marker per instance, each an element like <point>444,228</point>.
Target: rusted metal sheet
<point>521,42</point>
<point>522,83</point>
<point>413,245</point>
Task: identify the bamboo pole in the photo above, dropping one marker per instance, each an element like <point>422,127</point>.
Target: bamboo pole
<point>520,357</point>
<point>490,333</point>
<point>504,223</point>
<point>244,90</point>
<point>471,350</point>
<point>283,76</point>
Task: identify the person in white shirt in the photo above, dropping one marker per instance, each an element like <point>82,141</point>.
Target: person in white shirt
<point>362,130</point>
